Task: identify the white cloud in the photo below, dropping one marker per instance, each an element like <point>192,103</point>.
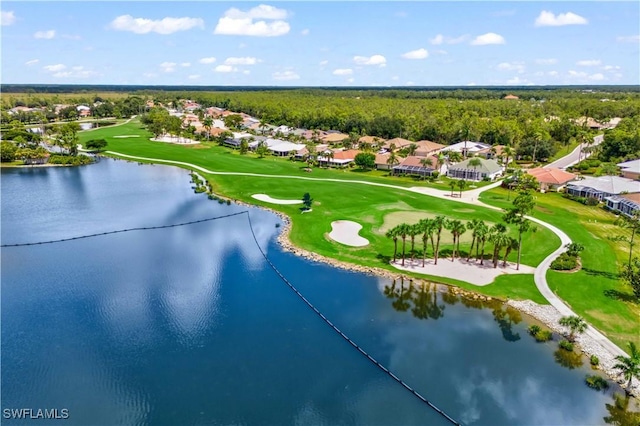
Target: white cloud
<point>48,35</point>
<point>149,75</point>
<point>7,18</point>
<point>589,63</point>
<point>32,62</point>
<point>596,77</point>
<point>194,76</point>
<point>440,52</point>
<point>511,66</point>
<point>410,83</point>
<point>488,38</point>
<point>208,60</point>
<point>548,61</point>
<point>518,81</point>
<point>237,22</point>
<point>441,39</point>
<point>225,68</point>
<point>343,71</point>
<point>553,73</point>
<point>351,80</point>
<point>241,61</point>
<point>323,63</point>
<point>168,66</point>
<point>161,26</point>
<point>285,75</point>
<point>548,19</point>
<point>628,39</point>
<point>305,32</point>
<point>55,68</point>
<point>611,67</point>
<point>370,60</point>
<point>416,54</point>
<point>185,64</point>
<point>246,72</point>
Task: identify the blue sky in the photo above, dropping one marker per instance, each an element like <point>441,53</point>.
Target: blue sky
<point>321,43</point>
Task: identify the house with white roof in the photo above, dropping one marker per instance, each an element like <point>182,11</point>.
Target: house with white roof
<point>466,147</point>
<point>630,169</point>
<point>602,187</point>
<point>486,169</point>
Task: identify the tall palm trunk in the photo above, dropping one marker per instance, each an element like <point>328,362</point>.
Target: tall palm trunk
<point>453,250</point>
<point>404,240</point>
<point>435,257</point>
<point>496,256</point>
<point>473,241</point>
<point>413,244</point>
<point>424,248</point>
<point>458,246</point>
<point>482,252</point>
<point>395,249</point>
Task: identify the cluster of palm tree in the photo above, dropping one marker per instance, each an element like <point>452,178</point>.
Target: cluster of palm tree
<point>429,233</point>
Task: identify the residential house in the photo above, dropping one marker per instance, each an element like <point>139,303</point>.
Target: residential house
<point>551,178</point>
<point>427,148</point>
<point>486,169</point>
<point>511,97</point>
<point>589,122</point>
<point>381,161</point>
<point>399,143</point>
<point>413,166</point>
<point>302,154</point>
<point>602,187</point>
<point>83,111</point>
<point>626,204</point>
<point>341,158</point>
<point>333,138</point>
<point>374,141</point>
<point>630,169</point>
<point>467,148</point>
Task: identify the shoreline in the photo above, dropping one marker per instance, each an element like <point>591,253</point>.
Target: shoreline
<point>546,314</point>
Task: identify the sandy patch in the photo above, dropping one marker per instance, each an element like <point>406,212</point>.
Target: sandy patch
<point>471,272</point>
<point>268,199</point>
<point>176,140</point>
<point>346,232</point>
<point>126,136</point>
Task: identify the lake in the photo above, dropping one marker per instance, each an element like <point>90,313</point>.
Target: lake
<point>189,325</point>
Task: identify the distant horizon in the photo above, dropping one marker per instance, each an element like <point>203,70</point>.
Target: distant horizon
<point>320,44</point>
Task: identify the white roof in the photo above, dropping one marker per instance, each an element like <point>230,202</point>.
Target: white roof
<point>82,108</point>
<point>219,124</point>
<point>470,146</point>
<point>238,135</point>
<point>630,166</point>
<point>609,184</point>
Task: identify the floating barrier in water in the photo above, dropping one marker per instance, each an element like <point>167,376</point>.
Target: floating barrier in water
<point>282,277</point>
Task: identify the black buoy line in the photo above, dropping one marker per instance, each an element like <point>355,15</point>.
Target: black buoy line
<point>344,336</point>
<point>282,277</point>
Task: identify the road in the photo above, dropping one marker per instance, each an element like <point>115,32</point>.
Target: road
<point>574,156</point>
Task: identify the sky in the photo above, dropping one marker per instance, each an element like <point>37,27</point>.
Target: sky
<point>306,43</point>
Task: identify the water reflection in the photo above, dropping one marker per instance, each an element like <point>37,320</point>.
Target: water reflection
<point>568,359</point>
<point>506,316</point>
<point>619,412</point>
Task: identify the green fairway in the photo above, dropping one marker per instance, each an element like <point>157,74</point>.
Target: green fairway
<point>365,204</point>
<point>594,292</point>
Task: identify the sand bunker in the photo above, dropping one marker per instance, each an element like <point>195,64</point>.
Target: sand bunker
<point>471,272</point>
<point>346,232</point>
<point>267,199</point>
<point>126,136</point>
<point>176,140</point>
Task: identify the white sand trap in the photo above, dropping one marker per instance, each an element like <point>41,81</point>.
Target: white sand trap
<point>126,136</point>
<point>176,140</point>
<point>267,199</point>
<point>471,272</point>
<point>346,232</point>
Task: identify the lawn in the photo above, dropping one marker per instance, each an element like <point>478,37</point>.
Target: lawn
<point>594,292</point>
<point>365,204</point>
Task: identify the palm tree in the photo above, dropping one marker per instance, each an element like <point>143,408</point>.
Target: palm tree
<point>427,228</point>
<point>438,224</point>
<point>207,123</point>
<point>411,150</point>
<point>619,414</point>
<point>452,184</point>
<point>576,325</point>
<point>512,245</point>
<point>329,155</point>
<point>414,230</point>
<point>629,366</point>
<point>473,226</point>
<point>482,234</point>
<point>507,151</point>
<point>455,157</point>
<point>403,232</point>
<point>426,162</point>
<point>457,228</point>
<point>499,238</point>
<point>393,234</point>
<point>440,160</point>
<point>461,184</point>
<point>475,162</point>
<point>392,160</point>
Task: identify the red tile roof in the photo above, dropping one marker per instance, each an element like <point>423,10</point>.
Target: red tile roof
<point>551,176</point>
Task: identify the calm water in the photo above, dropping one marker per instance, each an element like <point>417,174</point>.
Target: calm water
<point>190,326</point>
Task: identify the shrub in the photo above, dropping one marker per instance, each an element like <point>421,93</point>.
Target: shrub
<point>566,345</point>
<point>543,336</point>
<point>594,360</point>
<point>533,329</point>
<point>591,201</point>
<point>596,382</point>
<point>69,160</point>
<point>564,262</point>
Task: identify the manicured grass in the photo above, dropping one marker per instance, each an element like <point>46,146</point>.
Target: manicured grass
<point>594,292</point>
<point>564,151</point>
<point>365,204</point>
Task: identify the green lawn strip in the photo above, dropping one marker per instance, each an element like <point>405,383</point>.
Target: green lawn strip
<point>595,292</point>
<point>565,150</point>
<point>219,158</point>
